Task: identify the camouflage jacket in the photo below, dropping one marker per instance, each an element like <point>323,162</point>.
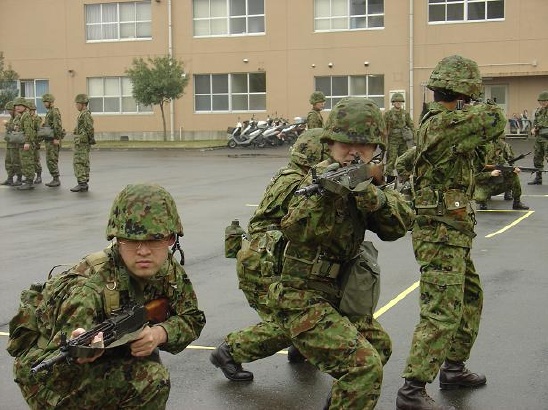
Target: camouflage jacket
<point>496,153</point>
<point>314,119</point>
<point>541,118</point>
<point>28,126</point>
<point>84,125</point>
<point>396,119</point>
<point>53,120</point>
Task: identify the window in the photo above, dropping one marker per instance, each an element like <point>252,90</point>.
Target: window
<point>113,95</point>
<point>337,87</point>
<point>332,15</point>
<point>34,90</point>
<point>228,17</point>
<point>448,11</point>
<point>118,21</point>
<point>230,92</point>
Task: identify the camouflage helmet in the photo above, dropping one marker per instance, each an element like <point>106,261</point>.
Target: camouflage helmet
<point>355,120</point>
<point>81,98</point>
<point>308,151</point>
<point>48,98</point>
<point>543,96</point>
<point>457,74</point>
<point>316,97</point>
<point>143,212</point>
<point>397,97</point>
<point>21,101</point>
<point>9,106</point>
<point>32,105</point>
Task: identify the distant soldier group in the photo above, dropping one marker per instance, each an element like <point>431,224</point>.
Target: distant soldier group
<point>25,131</point>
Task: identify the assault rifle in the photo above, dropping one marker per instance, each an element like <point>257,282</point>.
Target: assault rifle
<point>511,166</point>
<point>120,324</point>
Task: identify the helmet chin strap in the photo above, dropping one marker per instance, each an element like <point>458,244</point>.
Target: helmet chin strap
<point>177,247</point>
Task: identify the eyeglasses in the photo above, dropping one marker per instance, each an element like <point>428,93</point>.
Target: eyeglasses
<point>152,244</point>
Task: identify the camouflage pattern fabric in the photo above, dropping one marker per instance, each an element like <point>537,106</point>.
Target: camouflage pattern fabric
<point>37,163</point>
<point>27,126</point>
<point>116,379</point>
<point>53,120</point>
<point>12,161</point>
<point>497,153</point>
<point>540,148</point>
<point>83,134</point>
<point>314,119</point>
<point>351,350</point>
<point>395,119</point>
<point>451,296</point>
<point>404,163</point>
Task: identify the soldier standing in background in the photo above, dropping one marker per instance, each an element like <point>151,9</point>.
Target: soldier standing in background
<point>53,144</point>
<point>37,124</point>
<point>25,123</point>
<point>540,129</point>
<point>314,118</point>
<point>451,296</point>
<point>13,159</point>
<point>399,131</point>
<point>84,138</point>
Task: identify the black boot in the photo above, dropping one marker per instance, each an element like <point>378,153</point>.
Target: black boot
<point>508,196</point>
<point>222,358</point>
<point>413,396</point>
<point>38,179</point>
<point>54,182</point>
<point>8,181</point>
<point>453,375</point>
<point>294,356</point>
<point>18,181</point>
<point>537,180</point>
<point>482,206</point>
<point>81,187</point>
<point>26,185</point>
<point>519,205</point>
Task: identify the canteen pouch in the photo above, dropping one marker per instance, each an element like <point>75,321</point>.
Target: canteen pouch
<point>426,201</point>
<point>456,203</point>
<point>273,246</point>
<point>360,283</point>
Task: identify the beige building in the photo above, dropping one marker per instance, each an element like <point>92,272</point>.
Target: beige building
<point>265,57</point>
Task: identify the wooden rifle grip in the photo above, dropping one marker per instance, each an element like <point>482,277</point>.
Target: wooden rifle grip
<point>157,310</point>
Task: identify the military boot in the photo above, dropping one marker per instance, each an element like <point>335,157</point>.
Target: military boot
<point>54,182</point>
<point>222,358</point>
<point>508,196</point>
<point>26,185</point>
<point>38,179</point>
<point>519,205</point>
<point>454,375</point>
<point>81,187</point>
<point>482,206</point>
<point>537,180</point>
<point>294,356</point>
<point>8,181</point>
<point>413,396</point>
<point>18,181</point>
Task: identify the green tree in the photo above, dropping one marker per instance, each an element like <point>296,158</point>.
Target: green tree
<point>8,83</point>
<point>157,81</point>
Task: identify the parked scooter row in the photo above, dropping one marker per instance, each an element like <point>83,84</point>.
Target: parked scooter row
<point>258,134</point>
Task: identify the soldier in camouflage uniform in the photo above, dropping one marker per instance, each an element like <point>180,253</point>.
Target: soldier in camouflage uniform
<point>324,233</point>
<point>451,297</point>
<point>84,138</point>
<point>258,264</point>
<point>396,119</point>
<point>540,129</point>
<point>494,181</point>
<point>37,124</point>
<point>13,159</point>
<point>25,123</point>
<point>314,118</point>
<point>138,267</point>
<point>53,144</point>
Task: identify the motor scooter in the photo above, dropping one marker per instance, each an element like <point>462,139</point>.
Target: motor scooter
<point>250,135</point>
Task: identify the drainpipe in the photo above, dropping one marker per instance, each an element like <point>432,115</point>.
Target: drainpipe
<point>170,53</point>
<point>411,61</point>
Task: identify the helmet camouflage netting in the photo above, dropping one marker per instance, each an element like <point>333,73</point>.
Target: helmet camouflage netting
<point>457,74</point>
<point>308,151</point>
<point>543,96</point>
<point>316,97</point>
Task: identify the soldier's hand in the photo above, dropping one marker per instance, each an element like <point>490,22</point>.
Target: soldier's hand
<point>369,197</point>
<point>149,339</point>
<point>26,147</point>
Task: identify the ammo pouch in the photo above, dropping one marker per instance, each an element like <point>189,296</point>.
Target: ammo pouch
<point>45,133</point>
<point>452,202</point>
<point>273,244</point>
<point>360,283</point>
<point>16,137</point>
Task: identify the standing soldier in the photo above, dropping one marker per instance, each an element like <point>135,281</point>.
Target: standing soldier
<point>13,159</point>
<point>37,121</point>
<point>84,138</point>
<point>400,132</point>
<point>25,124</point>
<point>314,118</point>
<point>540,129</point>
<point>451,296</point>
<point>53,144</point>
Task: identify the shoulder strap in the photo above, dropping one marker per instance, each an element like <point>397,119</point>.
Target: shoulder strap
<point>111,295</point>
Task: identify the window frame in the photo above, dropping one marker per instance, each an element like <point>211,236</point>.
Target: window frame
<point>332,99</point>
<point>36,93</point>
<point>121,97</point>
<point>347,16</point>
<point>466,5</point>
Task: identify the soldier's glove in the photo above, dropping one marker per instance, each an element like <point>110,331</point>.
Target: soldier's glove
<point>369,197</point>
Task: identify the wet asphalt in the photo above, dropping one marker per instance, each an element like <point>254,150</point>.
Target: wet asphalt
<point>49,226</point>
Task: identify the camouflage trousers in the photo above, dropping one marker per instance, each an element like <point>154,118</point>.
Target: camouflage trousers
<point>540,152</point>
<point>13,160</point>
<point>509,181</point>
<point>28,162</point>
<point>37,162</point>
<point>52,157</point>
<point>128,383</point>
<point>81,161</point>
<point>451,301</point>
<point>396,147</point>
<point>334,344</point>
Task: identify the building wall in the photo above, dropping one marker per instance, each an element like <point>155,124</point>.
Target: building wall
<point>52,46</point>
